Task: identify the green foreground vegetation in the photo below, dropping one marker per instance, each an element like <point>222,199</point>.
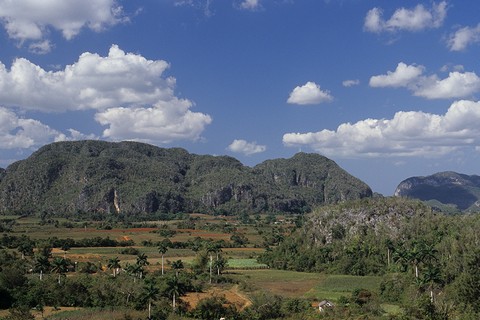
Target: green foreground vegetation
<point>372,259</point>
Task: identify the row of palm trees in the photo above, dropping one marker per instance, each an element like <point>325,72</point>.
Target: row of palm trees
<point>61,266</point>
<point>174,287</point>
<point>43,263</point>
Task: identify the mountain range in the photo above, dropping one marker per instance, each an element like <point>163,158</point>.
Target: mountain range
<point>132,177</point>
<point>446,191</point>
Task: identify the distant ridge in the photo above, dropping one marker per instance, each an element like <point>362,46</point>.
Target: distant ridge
<point>132,177</point>
<point>448,188</point>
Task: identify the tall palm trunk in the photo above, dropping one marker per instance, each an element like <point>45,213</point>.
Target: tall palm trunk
<point>211,263</point>
<point>162,265</point>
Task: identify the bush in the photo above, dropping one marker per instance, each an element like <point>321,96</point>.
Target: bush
<point>130,250</point>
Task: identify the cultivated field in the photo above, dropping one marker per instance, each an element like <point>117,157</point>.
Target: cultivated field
<point>248,276</point>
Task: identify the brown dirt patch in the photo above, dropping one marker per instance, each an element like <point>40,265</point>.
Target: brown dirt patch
<point>232,295</point>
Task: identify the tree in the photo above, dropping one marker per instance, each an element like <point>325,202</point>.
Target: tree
<point>142,261</point>
<point>177,265</point>
<point>212,308</point>
<point>25,247</point>
<point>41,265</point>
<point>134,270</point>
<point>220,264</point>
<point>45,250</point>
<point>151,292</point>
<point>59,266</point>
<point>468,283</point>
<point>175,288</point>
<point>162,249</point>
<point>431,277</point>
<point>390,249</point>
<point>419,253</point>
<point>212,248</point>
<point>114,264</point>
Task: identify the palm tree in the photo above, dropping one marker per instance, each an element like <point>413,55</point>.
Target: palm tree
<point>177,265</point>
<point>25,247</point>
<point>212,248</point>
<point>134,270</point>
<point>142,262</point>
<point>162,249</point>
<point>420,252</point>
<point>60,266</point>
<point>220,264</point>
<point>431,277</point>
<point>151,293</point>
<point>114,264</point>
<point>390,249</point>
<point>41,265</point>
<point>175,288</point>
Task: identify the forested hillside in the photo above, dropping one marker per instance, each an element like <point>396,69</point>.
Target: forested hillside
<point>418,252</point>
<point>131,177</point>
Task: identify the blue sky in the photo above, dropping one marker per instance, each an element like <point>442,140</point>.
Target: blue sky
<point>387,89</point>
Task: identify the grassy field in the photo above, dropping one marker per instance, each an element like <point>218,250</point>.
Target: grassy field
<point>333,287</point>
<point>242,264</point>
<point>245,264</point>
<point>312,286</point>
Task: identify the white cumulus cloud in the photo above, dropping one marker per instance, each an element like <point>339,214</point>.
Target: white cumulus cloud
<point>31,20</point>
<point>309,93</point>
<point>460,39</point>
<point>416,19</point>
<point>456,85</point>
<point>22,133</point>
<point>402,76</point>
<point>413,133</point>
<point>129,92</point>
<point>162,123</point>
<point>247,148</point>
<point>93,82</point>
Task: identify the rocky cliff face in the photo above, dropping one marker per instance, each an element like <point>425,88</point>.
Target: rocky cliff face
<point>126,177</point>
<point>449,188</point>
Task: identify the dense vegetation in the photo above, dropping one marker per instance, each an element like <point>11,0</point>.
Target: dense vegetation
<point>429,261</point>
<point>34,279</point>
<point>384,258</point>
<point>130,177</point>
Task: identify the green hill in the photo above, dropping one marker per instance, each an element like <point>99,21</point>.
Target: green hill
<point>132,177</point>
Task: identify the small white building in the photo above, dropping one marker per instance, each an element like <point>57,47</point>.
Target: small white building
<point>324,305</point>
